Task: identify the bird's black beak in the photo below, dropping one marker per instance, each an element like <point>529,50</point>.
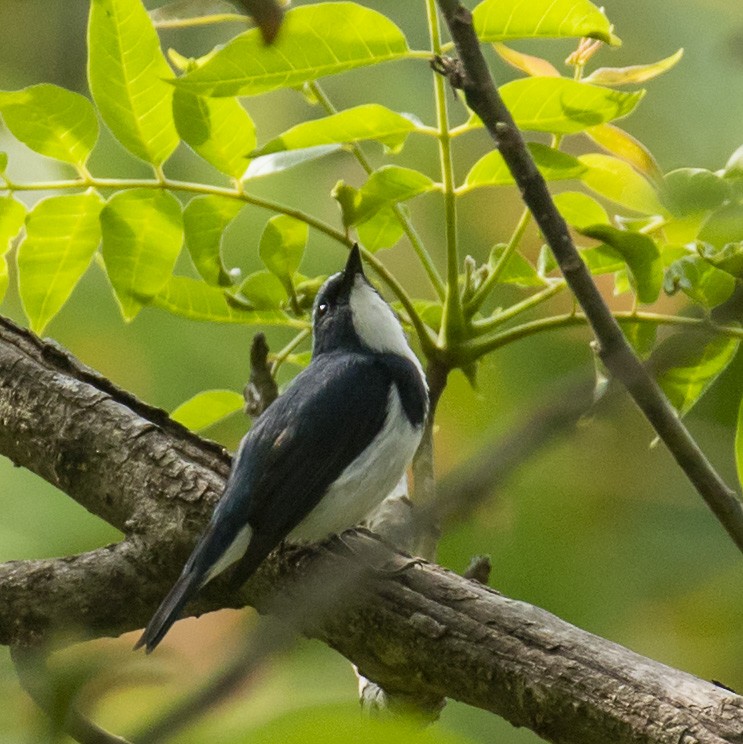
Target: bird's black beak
<point>354,265</point>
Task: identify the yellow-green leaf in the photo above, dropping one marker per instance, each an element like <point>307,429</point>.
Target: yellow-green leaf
<point>491,169</point>
<point>220,130</point>
<point>580,210</point>
<point>126,74</point>
<point>142,237</point>
<point>197,300</point>
<point>62,234</point>
<point>498,20</point>
<point>207,408</point>
<point>739,444</point>
<point>634,74</point>
<point>205,219</point>
<point>620,182</point>
<point>316,40</point>
<point>366,122</point>
<point>388,185</point>
<point>12,215</point>
<point>531,65</point>
<point>52,121</point>
<point>382,230</point>
<point>187,13</point>
<point>625,146</point>
<point>282,246</point>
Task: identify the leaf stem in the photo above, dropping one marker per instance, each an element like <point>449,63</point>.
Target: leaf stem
<point>452,326</point>
<point>415,239</point>
<point>486,287</point>
<point>473,350</point>
<point>280,357</point>
<point>487,324</point>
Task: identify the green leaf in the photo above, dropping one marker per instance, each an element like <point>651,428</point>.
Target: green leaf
<point>635,74</point>
<point>207,408</point>
<point>367,122</point>
<point>641,255</point>
<point>382,230</point>
<point>641,336</point>
<point>62,234</point>
<point>625,146</point>
<point>734,165</point>
<point>723,226</point>
<point>12,216</point>
<point>534,66</point>
<point>319,40</point>
<point>739,444</point>
<point>689,191</point>
<point>618,181</point>
<point>142,237</point>
<point>197,300</point>
<point>499,20</point>
<point>491,169</point>
<point>580,210</point>
<point>52,121</point>
<point>263,291</point>
<point>282,246</point>
<point>517,269</point>
<point>220,130</point>
<point>266,165</point>
<point>388,185</point>
<point>729,258</point>
<point>602,259</point>
<point>699,280</point>
<point>686,364</point>
<point>186,13</point>
<point>205,219</point>
<point>126,74</point>
<point>563,106</point>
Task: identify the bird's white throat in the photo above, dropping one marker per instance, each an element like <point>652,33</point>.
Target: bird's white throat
<point>376,324</point>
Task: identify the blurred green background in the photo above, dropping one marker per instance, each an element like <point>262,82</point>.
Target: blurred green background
<point>600,528</point>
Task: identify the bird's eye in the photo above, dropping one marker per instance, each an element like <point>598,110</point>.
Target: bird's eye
<point>322,308</point>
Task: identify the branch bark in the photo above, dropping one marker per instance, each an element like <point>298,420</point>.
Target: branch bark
<point>414,628</point>
<point>472,75</point>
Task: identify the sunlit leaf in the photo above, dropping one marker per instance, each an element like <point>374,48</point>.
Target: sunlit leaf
<point>263,290</point>
<point>564,106</point>
<point>142,237</point>
<point>197,300</point>
<point>641,255</point>
<point>318,40</point>
<point>517,270</point>
<point>693,190</point>
<point>186,13</point>
<point>282,247</point>
<point>491,169</point>
<point>620,182</point>
<point>641,336</point>
<point>634,74</point>
<point>12,215</point>
<point>127,73</point>
<point>729,258</point>
<point>307,288</point>
<point>205,219</point>
<point>300,360</point>
<point>723,226</point>
<point>580,210</point>
<point>534,66</point>
<point>207,408</point>
<point>62,234</point>
<point>380,231</point>
<point>498,20</point>
<point>734,165</point>
<point>625,146</point>
<point>388,185</point>
<point>52,121</point>
<point>367,122</point>
<point>218,129</point>
<point>686,364</point>
<point>602,259</point>
<point>699,280</point>
<point>266,165</point>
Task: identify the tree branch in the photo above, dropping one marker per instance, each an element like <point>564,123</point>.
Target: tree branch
<point>412,627</point>
<point>472,75</point>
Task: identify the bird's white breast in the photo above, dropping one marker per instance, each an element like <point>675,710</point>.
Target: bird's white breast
<point>364,483</point>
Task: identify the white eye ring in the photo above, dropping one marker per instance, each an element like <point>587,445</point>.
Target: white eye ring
<point>322,308</point>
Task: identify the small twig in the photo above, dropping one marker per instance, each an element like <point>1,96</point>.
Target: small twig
<point>261,389</point>
<point>31,668</point>
<point>483,98</point>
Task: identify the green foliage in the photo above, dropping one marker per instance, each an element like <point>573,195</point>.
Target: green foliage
<point>12,215</point>
<point>207,408</point>
<point>52,121</point>
<point>739,444</point>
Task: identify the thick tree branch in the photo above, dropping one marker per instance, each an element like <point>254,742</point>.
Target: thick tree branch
<point>414,628</point>
<point>471,74</point>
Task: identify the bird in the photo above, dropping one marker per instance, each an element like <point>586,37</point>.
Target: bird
<point>325,453</point>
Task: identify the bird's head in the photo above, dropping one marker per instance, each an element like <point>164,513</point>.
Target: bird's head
<point>349,314</point>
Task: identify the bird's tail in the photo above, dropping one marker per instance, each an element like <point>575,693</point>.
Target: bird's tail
<point>169,610</point>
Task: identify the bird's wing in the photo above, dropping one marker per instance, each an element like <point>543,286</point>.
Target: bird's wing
<point>286,462</point>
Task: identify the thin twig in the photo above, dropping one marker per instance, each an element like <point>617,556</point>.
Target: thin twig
<point>471,74</point>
